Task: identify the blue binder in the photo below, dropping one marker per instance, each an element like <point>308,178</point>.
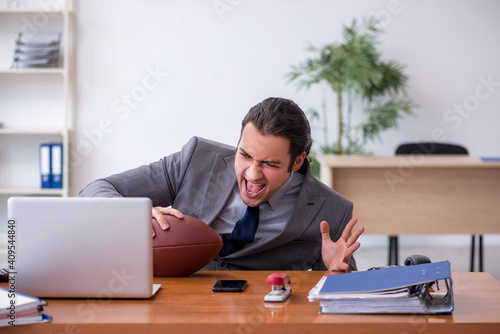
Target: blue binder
<point>45,166</point>
<point>420,277</point>
<point>490,159</point>
<point>56,165</point>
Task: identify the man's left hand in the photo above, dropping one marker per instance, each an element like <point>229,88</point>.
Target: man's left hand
<point>336,255</point>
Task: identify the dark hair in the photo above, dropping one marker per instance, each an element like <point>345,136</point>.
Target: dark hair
<point>284,118</point>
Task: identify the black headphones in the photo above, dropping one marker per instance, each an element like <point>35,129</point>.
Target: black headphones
<point>409,261</point>
<point>416,259</point>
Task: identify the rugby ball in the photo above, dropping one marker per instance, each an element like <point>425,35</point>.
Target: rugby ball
<point>186,247</point>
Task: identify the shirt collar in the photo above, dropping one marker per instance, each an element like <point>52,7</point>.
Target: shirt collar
<point>275,200</point>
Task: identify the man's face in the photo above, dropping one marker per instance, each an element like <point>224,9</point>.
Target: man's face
<point>261,165</point>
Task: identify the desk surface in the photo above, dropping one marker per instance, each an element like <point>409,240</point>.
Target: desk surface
<point>188,305</point>
<point>406,160</point>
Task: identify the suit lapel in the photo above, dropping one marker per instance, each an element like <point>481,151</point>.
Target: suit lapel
<point>221,182</point>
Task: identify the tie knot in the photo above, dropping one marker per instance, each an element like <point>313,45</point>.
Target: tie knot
<point>252,211</point>
<point>243,232</point>
<point>245,228</point>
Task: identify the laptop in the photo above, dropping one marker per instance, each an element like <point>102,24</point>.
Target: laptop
<point>70,247</point>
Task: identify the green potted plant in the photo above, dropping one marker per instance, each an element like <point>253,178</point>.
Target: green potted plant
<point>354,69</point>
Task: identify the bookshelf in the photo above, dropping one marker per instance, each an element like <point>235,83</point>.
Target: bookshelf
<point>35,103</point>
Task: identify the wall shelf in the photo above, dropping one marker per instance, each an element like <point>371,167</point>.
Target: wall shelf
<point>24,71</point>
<point>37,104</point>
<point>32,191</point>
<point>33,131</point>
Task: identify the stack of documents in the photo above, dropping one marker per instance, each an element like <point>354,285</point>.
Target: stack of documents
<point>19,309</point>
<point>36,50</point>
<point>419,289</point>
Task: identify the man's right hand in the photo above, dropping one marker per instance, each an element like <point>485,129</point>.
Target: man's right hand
<point>158,216</point>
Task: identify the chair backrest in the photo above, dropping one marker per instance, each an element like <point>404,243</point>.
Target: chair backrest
<point>430,148</point>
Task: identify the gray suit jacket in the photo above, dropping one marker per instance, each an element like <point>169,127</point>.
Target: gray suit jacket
<point>198,181</point>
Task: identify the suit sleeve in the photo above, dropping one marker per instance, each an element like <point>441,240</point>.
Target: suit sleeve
<point>99,188</point>
<point>160,181</point>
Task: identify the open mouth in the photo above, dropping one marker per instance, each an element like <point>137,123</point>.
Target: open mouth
<point>253,189</point>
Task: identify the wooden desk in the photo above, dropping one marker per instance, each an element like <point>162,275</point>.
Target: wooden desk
<point>418,194</point>
<point>187,305</point>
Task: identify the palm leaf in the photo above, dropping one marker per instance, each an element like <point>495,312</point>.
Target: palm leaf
<point>356,65</point>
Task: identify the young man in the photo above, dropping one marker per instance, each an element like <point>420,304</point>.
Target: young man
<point>295,217</point>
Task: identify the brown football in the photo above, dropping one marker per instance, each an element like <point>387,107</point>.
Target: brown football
<point>186,247</point>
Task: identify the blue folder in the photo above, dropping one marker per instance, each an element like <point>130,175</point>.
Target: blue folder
<point>45,169</point>
<point>490,159</point>
<point>387,278</point>
<point>393,278</point>
<point>56,165</point>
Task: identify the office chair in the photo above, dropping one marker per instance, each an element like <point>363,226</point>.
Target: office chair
<point>430,148</point>
<point>433,148</point>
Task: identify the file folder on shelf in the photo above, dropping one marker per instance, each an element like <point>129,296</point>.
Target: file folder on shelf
<point>417,289</point>
<point>51,165</point>
<point>56,165</point>
<point>45,169</point>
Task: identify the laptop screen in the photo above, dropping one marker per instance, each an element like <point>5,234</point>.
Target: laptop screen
<point>82,247</point>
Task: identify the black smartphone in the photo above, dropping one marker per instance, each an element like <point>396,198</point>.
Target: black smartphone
<point>229,285</point>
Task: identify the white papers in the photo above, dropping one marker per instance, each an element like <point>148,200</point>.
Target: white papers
<point>391,301</point>
<point>418,289</point>
<point>20,309</point>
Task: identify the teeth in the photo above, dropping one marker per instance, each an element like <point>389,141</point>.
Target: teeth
<point>255,184</point>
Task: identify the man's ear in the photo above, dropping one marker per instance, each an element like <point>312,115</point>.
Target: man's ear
<point>298,162</point>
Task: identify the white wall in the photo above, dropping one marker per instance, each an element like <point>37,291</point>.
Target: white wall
<point>218,58</point>
<point>214,59</point>
<point>214,65</point>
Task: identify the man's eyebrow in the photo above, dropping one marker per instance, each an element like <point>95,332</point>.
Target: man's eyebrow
<point>271,162</point>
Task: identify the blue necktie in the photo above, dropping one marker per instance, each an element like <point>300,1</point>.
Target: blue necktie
<point>243,232</point>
